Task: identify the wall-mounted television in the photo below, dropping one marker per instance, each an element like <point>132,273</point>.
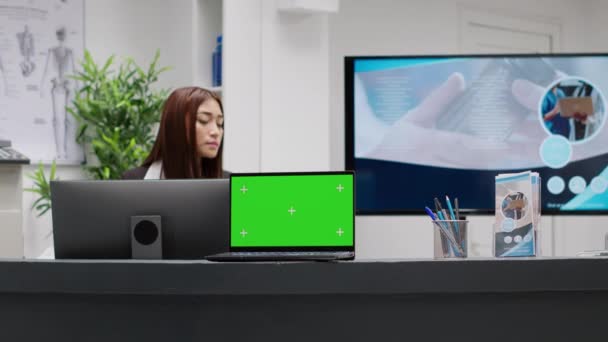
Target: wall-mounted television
<point>419,127</point>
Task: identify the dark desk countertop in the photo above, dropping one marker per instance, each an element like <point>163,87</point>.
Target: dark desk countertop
<point>373,277</point>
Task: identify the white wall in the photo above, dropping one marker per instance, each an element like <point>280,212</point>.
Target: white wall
<point>136,28</point>
<point>385,27</point>
<point>276,88</point>
<point>597,39</point>
<point>295,91</point>
<point>242,93</point>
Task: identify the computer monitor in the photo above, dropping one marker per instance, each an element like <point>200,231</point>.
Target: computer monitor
<point>92,219</point>
<point>419,127</point>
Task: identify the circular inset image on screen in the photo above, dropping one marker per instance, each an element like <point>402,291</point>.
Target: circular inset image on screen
<point>573,108</point>
<point>514,206</point>
<point>556,185</point>
<point>555,151</point>
<point>577,185</point>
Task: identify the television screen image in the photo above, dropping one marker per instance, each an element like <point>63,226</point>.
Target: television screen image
<point>419,127</point>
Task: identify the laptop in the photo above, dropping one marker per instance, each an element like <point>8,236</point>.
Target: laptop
<point>291,216</point>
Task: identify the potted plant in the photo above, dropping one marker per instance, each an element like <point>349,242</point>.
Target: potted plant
<point>117,112</point>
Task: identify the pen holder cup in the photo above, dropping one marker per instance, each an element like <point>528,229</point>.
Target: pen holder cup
<point>450,239</point>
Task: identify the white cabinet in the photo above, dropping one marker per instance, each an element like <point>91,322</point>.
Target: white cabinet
<point>11,233</point>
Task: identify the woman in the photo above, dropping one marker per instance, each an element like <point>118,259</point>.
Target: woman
<point>189,141</point>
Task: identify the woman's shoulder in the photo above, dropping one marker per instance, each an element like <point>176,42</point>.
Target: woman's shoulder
<point>135,173</point>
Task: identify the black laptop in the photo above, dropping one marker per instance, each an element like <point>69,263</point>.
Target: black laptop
<point>291,216</point>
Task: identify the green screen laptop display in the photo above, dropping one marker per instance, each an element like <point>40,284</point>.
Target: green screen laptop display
<point>292,210</point>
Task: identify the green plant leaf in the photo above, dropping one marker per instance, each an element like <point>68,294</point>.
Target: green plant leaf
<point>44,211</point>
<point>106,172</point>
<point>36,202</point>
<point>53,170</point>
<point>163,69</point>
<point>116,108</point>
<point>107,65</point>
<point>42,188</point>
<point>36,191</point>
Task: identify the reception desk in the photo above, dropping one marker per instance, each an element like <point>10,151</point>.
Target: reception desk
<point>419,300</point>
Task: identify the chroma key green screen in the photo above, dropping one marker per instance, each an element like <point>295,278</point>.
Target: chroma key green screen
<point>292,210</point>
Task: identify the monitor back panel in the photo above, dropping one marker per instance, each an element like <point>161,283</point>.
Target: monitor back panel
<point>91,219</point>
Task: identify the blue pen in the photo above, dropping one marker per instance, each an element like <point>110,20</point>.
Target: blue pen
<point>446,225</point>
<point>434,218</point>
<point>456,224</point>
<point>447,200</point>
<point>452,216</point>
<point>444,246</point>
<point>430,213</point>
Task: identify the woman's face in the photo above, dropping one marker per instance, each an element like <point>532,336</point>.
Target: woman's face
<point>209,128</point>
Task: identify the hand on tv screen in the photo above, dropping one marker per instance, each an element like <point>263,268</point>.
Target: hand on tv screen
<point>415,139</point>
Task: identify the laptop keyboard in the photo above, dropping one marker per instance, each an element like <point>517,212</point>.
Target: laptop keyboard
<point>284,253</point>
<point>8,154</point>
<point>267,255</point>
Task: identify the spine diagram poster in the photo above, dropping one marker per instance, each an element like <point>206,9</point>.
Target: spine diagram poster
<point>41,44</point>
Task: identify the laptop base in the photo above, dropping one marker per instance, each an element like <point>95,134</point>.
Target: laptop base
<point>281,256</point>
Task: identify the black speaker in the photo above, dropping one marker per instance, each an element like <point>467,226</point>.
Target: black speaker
<point>146,237</point>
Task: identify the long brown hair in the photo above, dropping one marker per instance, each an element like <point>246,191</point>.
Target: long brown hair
<point>175,143</point>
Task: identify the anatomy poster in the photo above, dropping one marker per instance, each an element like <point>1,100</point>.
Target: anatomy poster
<point>41,44</point>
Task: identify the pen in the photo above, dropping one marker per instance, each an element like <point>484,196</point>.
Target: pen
<point>447,225</point>
<point>433,216</point>
<point>458,220</point>
<point>438,207</point>
<point>443,226</point>
<point>430,213</point>
<point>447,200</point>
<point>455,224</point>
<point>452,225</point>
<point>446,218</point>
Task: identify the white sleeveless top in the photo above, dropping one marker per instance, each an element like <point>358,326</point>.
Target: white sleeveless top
<point>155,171</point>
